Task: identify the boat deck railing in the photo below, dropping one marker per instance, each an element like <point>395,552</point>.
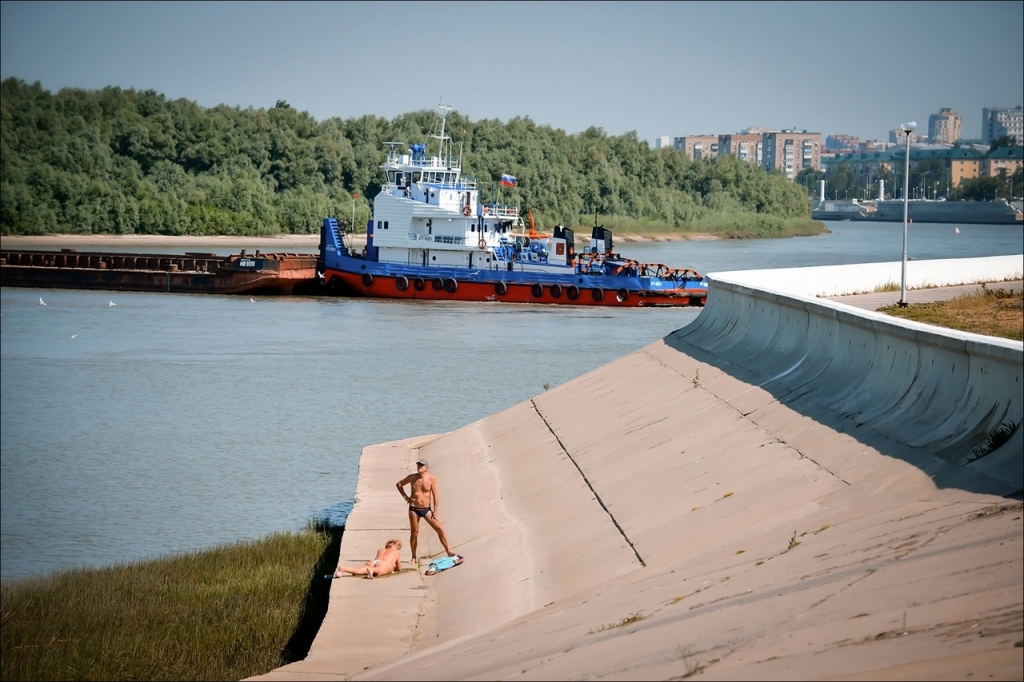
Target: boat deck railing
<point>499,211</point>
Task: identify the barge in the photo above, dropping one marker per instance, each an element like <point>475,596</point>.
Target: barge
<point>206,273</point>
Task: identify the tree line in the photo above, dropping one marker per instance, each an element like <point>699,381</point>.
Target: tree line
<point>120,161</point>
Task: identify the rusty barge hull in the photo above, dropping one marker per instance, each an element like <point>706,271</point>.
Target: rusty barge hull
<point>200,273</point>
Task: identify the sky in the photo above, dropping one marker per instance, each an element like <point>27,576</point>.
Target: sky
<point>656,68</point>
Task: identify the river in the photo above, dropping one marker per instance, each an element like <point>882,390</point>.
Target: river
<point>168,422</point>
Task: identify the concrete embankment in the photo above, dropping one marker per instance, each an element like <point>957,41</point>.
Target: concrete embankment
<point>786,488</point>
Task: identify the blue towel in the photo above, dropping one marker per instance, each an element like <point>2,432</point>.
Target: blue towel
<point>444,563</point>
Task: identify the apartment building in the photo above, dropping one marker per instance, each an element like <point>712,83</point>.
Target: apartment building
<point>662,141</point>
<point>842,143</point>
<point>1003,160</point>
<point>746,147</point>
<point>697,146</point>
<point>960,163</point>
<point>790,151</point>
<point>944,127</point>
<point>996,123</point>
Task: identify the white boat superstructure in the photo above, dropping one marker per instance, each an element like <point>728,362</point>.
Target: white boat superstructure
<point>428,214</point>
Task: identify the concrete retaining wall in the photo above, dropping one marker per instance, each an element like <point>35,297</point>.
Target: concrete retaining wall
<point>781,490</point>
<point>940,391</point>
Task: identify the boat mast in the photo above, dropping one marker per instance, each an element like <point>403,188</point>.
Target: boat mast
<point>445,109</point>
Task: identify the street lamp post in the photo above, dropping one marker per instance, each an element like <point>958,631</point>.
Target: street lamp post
<point>908,130</point>
<point>924,188</point>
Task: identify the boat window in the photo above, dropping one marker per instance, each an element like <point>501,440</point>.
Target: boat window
<point>391,176</point>
<point>472,228</point>
<point>416,177</point>
<point>385,224</point>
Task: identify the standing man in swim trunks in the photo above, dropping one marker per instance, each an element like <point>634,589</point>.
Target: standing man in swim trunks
<point>423,504</point>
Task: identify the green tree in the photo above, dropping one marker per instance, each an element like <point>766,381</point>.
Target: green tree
<point>981,189</point>
<point>1004,141</point>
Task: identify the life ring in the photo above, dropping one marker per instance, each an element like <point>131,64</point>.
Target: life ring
<point>500,288</point>
<point>597,294</point>
<point>537,290</point>
<point>367,279</point>
<point>622,295</point>
<point>451,286</point>
<point>402,283</point>
<point>482,244</point>
<point>556,291</point>
<point>573,292</point>
<point>419,284</point>
<point>466,211</point>
<point>437,283</point>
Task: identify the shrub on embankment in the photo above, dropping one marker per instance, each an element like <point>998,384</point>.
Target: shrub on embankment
<point>225,613</point>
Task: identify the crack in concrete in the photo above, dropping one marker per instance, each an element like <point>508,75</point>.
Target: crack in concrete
<point>589,484</point>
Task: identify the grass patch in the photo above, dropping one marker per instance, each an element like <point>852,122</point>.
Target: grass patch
<point>225,613</point>
<point>993,312</point>
<point>635,617</point>
<point>726,225</point>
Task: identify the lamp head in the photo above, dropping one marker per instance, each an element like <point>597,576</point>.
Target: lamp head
<point>908,126</point>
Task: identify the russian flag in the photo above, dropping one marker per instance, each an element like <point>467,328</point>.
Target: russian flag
<point>508,180</point>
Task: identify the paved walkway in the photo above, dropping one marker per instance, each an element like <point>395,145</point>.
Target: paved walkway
<point>879,300</point>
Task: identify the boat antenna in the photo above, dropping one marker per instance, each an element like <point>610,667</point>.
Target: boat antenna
<point>445,110</point>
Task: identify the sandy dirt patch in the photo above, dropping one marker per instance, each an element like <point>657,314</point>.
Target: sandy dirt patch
<point>308,242</point>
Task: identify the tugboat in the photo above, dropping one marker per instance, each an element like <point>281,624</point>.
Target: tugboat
<point>431,238</point>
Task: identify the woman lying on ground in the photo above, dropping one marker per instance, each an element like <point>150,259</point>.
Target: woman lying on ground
<point>387,561</point>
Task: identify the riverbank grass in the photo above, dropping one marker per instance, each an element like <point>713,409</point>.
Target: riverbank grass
<point>993,311</point>
<point>225,613</point>
<point>719,225</point>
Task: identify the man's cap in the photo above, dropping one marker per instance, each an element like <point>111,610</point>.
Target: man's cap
<point>422,463</point>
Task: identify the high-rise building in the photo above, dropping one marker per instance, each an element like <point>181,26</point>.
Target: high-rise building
<point>697,146</point>
<point>996,123</point>
<point>791,151</point>
<point>944,127</point>
<point>842,143</point>
<point>749,147</point>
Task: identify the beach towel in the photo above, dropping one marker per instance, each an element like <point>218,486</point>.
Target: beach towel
<point>444,563</point>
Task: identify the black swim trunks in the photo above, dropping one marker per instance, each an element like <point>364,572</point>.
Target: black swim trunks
<point>420,511</point>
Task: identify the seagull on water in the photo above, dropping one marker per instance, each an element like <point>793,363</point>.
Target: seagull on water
<point>111,304</point>
<point>41,301</point>
<point>956,231</point>
<point>74,336</point>
<point>252,300</point>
